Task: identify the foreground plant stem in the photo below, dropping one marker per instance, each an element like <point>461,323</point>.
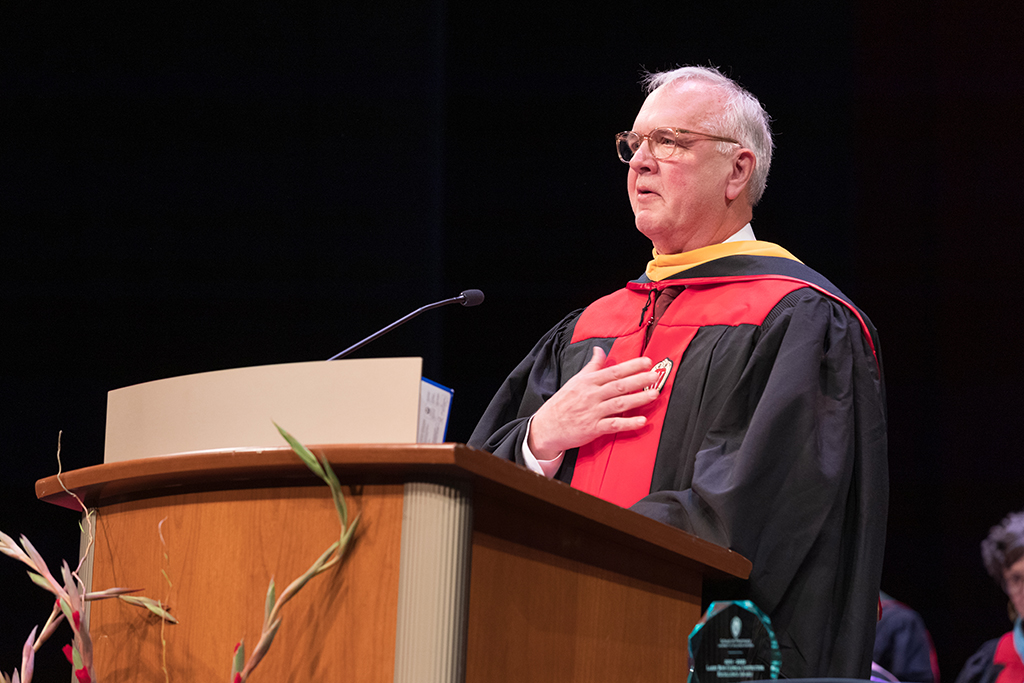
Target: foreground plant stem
<point>240,668</point>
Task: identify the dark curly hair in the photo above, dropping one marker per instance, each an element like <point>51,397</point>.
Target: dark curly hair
<point>1004,546</point>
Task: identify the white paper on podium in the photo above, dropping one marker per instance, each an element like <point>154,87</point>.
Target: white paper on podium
<point>372,400</point>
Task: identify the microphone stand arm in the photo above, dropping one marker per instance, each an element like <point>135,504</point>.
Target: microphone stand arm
<point>400,321</point>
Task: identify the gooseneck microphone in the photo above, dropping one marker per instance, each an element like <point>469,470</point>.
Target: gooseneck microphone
<point>470,297</point>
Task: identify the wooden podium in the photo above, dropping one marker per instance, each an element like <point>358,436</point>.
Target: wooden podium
<point>464,567</point>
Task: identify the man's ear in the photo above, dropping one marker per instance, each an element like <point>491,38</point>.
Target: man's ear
<point>740,173</point>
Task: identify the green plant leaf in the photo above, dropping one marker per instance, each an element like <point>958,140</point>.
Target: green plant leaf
<point>40,565</point>
<point>321,467</point>
<point>40,581</point>
<point>65,607</point>
<point>298,583</point>
<point>271,599</point>
<point>304,453</point>
<point>261,648</point>
<point>150,604</point>
<point>109,593</point>
<point>238,662</point>
<point>347,536</point>
<point>81,523</point>
<point>336,494</point>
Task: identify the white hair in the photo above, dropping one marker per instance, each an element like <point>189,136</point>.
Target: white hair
<point>742,118</point>
<point>1004,546</point>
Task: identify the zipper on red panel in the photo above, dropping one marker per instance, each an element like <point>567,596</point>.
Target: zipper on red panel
<point>652,303</point>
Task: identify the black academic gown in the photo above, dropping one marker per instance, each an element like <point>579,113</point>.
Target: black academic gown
<point>981,667</point>
<point>773,444</point>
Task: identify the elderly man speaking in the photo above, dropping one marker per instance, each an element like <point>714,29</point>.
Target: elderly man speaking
<point>730,391</point>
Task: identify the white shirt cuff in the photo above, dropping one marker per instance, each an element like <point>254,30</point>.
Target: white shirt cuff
<point>546,467</point>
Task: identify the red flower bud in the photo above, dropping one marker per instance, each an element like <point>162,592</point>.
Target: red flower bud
<point>68,653</point>
<point>83,676</point>
<point>77,619</point>
<point>237,678</point>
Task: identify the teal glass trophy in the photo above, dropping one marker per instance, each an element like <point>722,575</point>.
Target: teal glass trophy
<point>733,641</point>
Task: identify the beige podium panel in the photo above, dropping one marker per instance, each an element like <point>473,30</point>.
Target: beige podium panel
<point>374,400</point>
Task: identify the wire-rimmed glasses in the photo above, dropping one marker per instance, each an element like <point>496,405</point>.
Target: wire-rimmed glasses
<point>661,142</point>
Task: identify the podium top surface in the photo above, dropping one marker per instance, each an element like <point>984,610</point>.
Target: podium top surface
<point>488,475</point>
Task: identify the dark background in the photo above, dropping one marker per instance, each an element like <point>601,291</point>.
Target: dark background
<point>192,187</point>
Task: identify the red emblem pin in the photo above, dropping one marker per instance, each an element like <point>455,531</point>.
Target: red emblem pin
<point>663,369</point>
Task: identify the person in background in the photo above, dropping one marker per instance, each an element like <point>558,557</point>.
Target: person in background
<point>1001,660</point>
<point>903,646</point>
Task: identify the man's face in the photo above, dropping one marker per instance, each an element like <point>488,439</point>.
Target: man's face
<point>680,202</point>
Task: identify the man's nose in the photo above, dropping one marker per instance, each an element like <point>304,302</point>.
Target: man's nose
<point>643,161</point>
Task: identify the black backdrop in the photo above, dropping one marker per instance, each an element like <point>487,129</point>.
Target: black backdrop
<point>191,188</point>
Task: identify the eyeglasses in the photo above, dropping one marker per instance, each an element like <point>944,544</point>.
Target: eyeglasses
<point>661,142</point>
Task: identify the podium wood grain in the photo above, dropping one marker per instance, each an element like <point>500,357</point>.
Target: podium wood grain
<point>549,603</point>
<point>562,586</point>
<point>218,552</point>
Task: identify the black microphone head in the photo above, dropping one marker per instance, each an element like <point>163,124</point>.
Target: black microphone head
<point>472,297</point>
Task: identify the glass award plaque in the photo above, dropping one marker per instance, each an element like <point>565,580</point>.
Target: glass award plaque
<point>733,641</point>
